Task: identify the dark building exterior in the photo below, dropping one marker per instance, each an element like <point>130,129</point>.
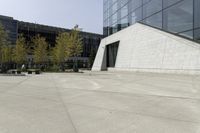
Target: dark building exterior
<point>29,30</point>
<point>10,27</point>
<point>176,16</point>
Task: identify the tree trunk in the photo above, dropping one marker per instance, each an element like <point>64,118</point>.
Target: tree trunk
<point>75,66</point>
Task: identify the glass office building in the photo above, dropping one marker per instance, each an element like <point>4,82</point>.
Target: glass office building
<point>14,27</point>
<point>181,17</point>
<point>10,26</point>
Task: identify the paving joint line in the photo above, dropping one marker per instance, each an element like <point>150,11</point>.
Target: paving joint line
<point>138,94</point>
<point>140,114</point>
<point>15,85</point>
<point>65,107</point>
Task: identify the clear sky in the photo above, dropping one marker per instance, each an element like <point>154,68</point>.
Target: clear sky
<point>88,14</point>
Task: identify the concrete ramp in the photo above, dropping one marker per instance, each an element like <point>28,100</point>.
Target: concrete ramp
<point>143,48</point>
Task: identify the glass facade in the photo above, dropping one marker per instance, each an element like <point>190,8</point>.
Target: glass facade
<point>10,26</point>
<point>181,17</point>
<point>90,41</point>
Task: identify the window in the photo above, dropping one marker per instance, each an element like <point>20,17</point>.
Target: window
<point>151,7</point>
<point>114,18</point>
<point>167,3</point>
<point>176,16</point>
<point>197,34</point>
<point>179,17</point>
<point>124,11</point>
<point>124,22</point>
<point>188,34</point>
<point>134,4</point>
<point>155,20</point>
<point>196,13</point>
<point>135,16</point>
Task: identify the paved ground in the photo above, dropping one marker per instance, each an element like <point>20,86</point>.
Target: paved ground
<point>100,103</point>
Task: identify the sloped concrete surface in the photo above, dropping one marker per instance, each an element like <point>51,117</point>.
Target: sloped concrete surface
<point>146,49</point>
<point>100,102</point>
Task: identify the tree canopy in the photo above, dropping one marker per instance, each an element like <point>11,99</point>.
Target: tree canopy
<point>6,54</point>
<point>5,49</point>
<point>75,46</point>
<point>3,36</point>
<point>60,52</point>
<point>20,50</point>
<point>40,49</point>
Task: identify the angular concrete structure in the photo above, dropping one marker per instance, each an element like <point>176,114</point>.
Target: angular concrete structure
<point>143,48</point>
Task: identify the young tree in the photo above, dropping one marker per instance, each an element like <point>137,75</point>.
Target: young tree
<point>3,36</point>
<point>40,50</point>
<point>92,57</point>
<point>75,46</point>
<point>6,57</point>
<point>20,51</point>
<point>60,52</point>
<point>6,53</point>
<point>4,49</point>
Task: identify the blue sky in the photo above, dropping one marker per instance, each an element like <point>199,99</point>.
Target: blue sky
<point>88,14</point>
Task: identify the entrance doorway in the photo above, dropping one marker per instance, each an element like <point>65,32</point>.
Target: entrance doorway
<point>111,54</point>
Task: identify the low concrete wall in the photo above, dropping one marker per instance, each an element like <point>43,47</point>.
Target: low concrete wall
<point>143,48</point>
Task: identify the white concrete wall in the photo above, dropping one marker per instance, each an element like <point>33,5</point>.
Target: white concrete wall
<point>143,48</point>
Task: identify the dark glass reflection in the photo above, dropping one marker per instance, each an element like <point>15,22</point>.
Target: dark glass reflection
<point>151,7</point>
<point>177,16</point>
<point>155,20</point>
<point>167,3</point>
<point>11,28</point>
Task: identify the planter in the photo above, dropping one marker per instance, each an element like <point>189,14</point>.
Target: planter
<point>30,72</point>
<point>19,72</point>
<point>13,72</point>
<point>75,68</point>
<point>37,72</point>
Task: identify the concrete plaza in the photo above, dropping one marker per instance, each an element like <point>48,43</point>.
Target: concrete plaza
<point>100,102</point>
